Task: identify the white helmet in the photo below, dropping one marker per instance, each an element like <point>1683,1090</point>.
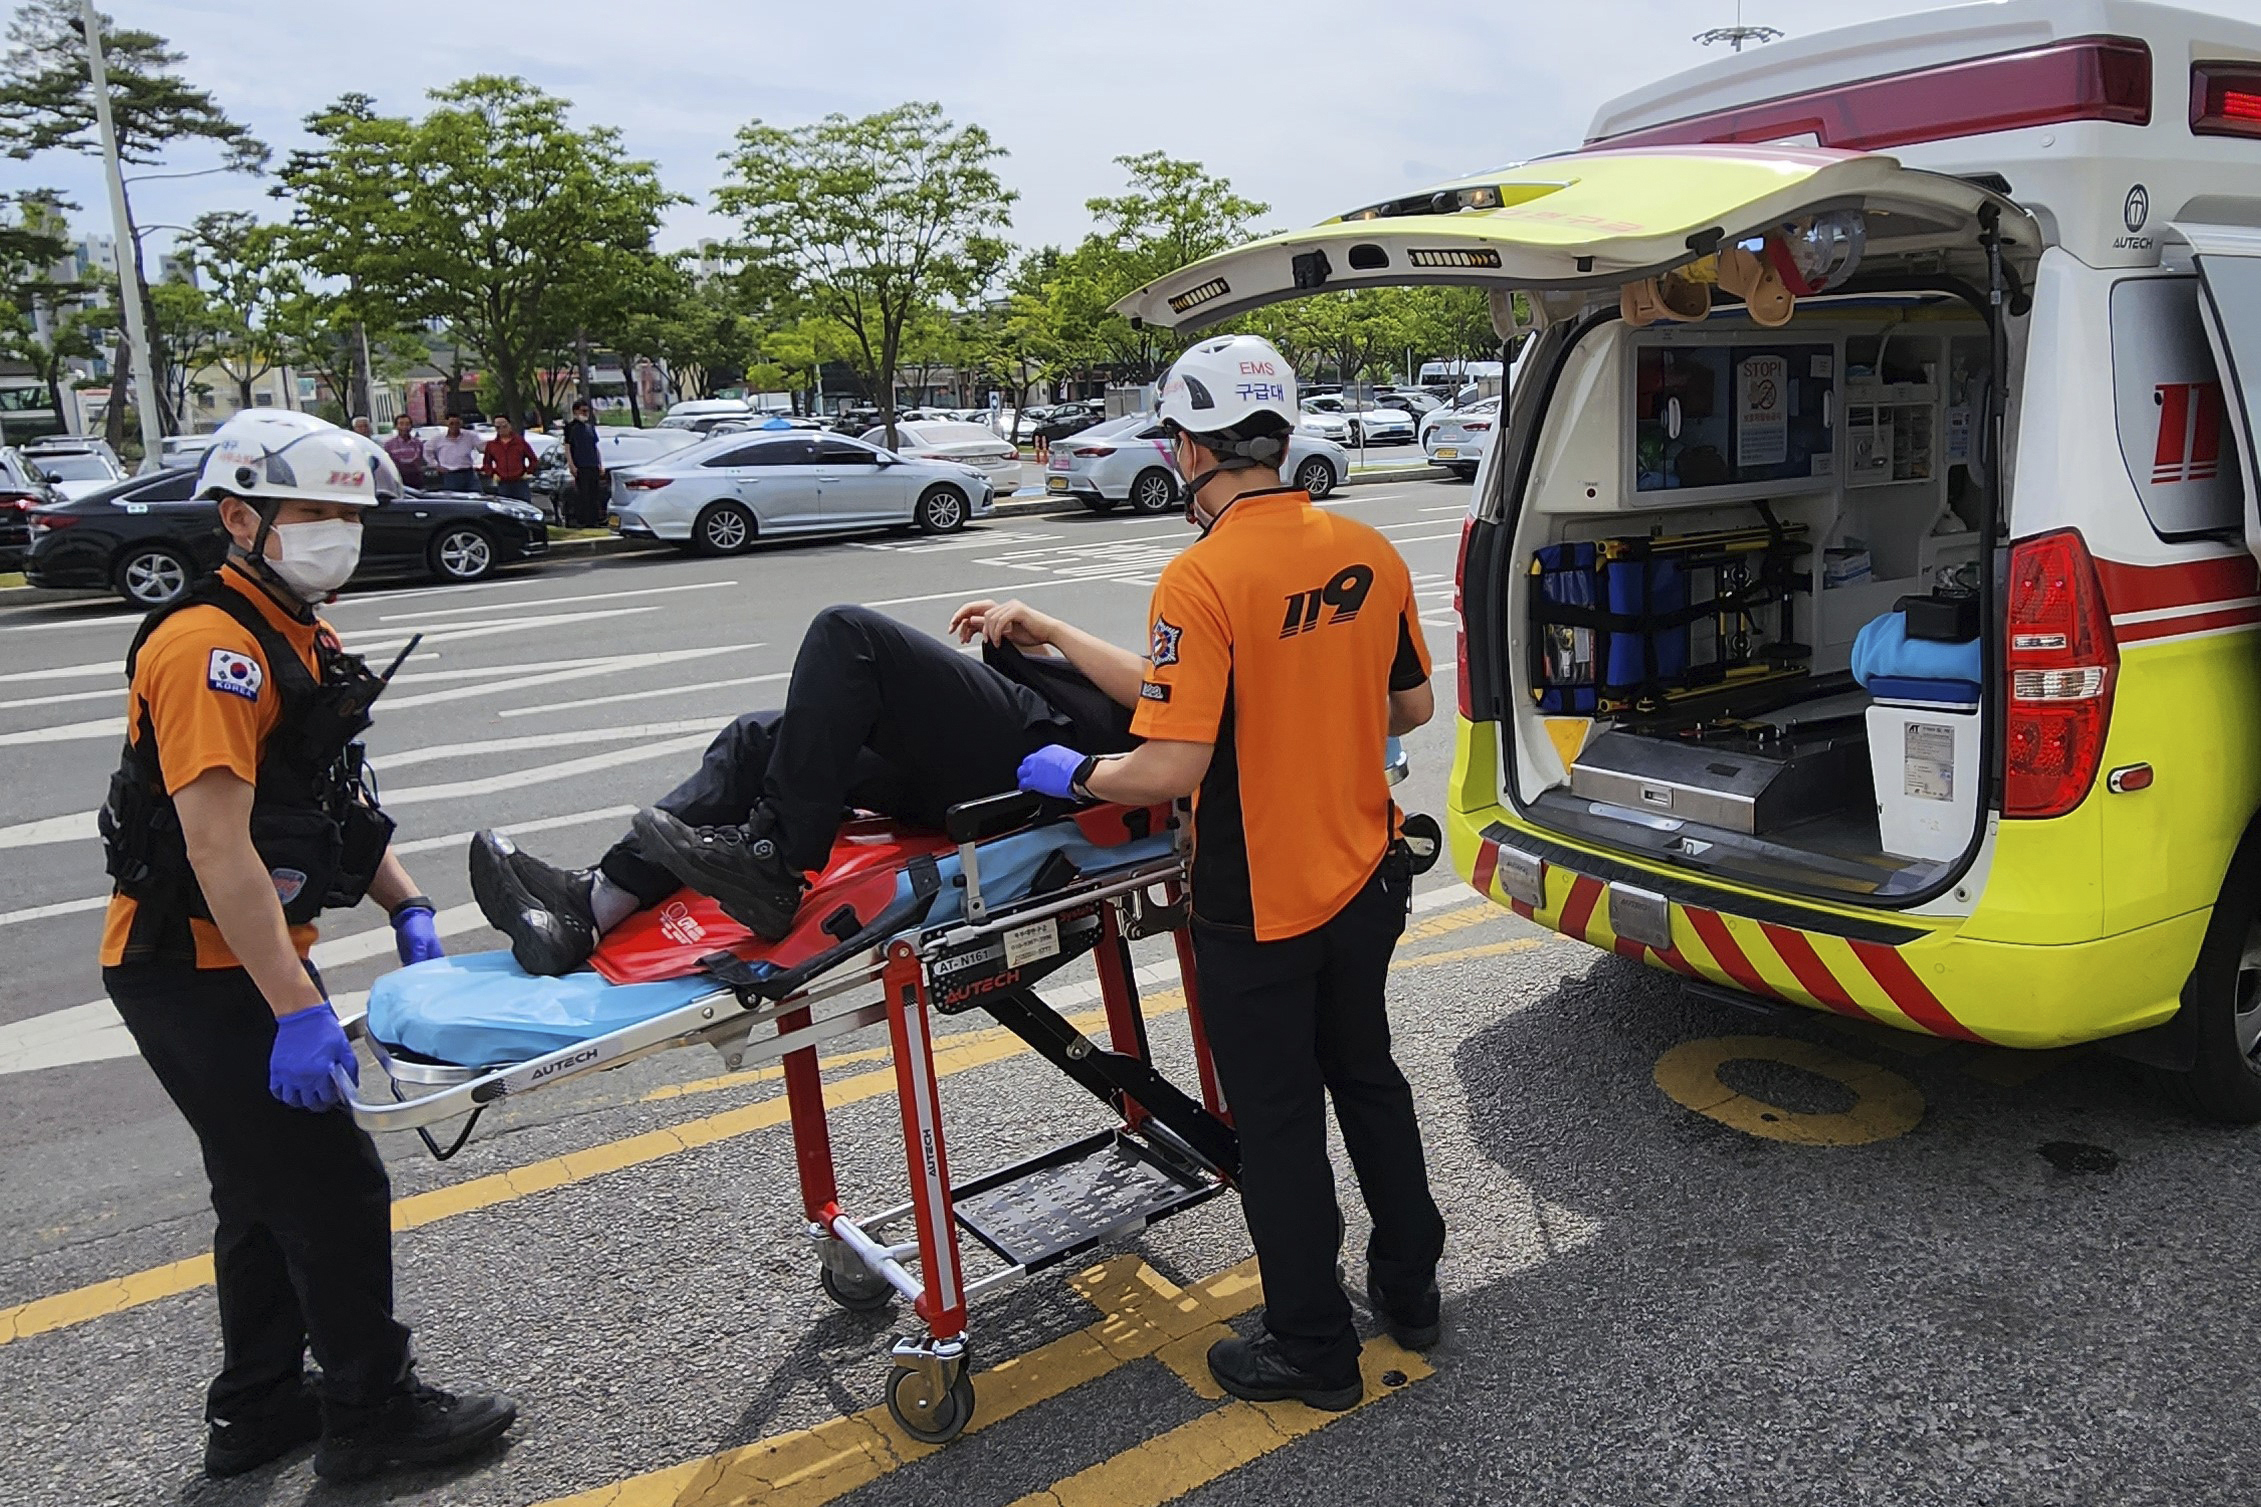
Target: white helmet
<point>273,455</point>
<point>1221,385</point>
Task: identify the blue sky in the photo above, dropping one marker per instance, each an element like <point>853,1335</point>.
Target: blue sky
<point>1311,106</point>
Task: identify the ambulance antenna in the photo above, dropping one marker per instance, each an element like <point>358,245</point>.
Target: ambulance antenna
<point>1735,36</point>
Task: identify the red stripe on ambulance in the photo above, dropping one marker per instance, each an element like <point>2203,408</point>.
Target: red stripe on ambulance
<point>1812,973</point>
<point>1578,910</point>
<point>1911,994</point>
<point>1721,945</point>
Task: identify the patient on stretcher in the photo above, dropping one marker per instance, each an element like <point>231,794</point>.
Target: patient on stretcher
<point>877,717</point>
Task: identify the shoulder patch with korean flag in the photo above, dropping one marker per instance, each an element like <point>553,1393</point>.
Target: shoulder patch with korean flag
<point>1164,650</point>
<point>236,674</point>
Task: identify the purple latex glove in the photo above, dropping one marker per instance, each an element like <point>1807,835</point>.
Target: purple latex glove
<point>416,936</point>
<point>1051,770</point>
<point>308,1043</point>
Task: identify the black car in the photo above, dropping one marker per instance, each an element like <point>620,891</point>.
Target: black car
<point>148,538</point>
<point>21,490</point>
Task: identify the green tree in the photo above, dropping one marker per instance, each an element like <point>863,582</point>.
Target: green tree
<point>253,279</point>
<point>491,213</point>
<point>876,221</point>
<point>47,104</point>
<point>32,241</point>
<point>1172,212</point>
<point>185,330</point>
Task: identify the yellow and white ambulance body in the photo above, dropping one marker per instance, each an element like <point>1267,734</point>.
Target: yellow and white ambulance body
<point>2018,412</point>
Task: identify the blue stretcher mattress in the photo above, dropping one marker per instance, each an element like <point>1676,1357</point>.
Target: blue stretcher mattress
<point>482,1008</point>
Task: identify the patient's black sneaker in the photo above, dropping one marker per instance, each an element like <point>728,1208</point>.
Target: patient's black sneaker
<point>740,867</point>
<point>417,1426</point>
<point>1416,1325</point>
<point>543,909</point>
<point>243,1443</point>
<point>1258,1371</point>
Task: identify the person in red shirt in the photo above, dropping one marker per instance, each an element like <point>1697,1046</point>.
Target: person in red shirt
<point>508,461</point>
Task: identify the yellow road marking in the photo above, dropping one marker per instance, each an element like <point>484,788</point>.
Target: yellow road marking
<point>1141,1311</point>
<point>1451,921</point>
<point>1487,950</point>
<point>953,1054</point>
<point>1190,1456</point>
<point>1886,1104</point>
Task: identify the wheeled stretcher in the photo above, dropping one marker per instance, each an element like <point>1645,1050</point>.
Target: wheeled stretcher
<point>900,928</point>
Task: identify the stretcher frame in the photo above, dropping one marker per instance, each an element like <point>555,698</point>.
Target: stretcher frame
<point>753,1021</point>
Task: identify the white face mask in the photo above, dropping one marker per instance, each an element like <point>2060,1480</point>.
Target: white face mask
<point>316,559</point>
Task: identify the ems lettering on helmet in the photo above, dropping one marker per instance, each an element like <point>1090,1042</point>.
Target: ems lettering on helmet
<point>1346,593</point>
<point>235,674</point>
<point>1164,649</point>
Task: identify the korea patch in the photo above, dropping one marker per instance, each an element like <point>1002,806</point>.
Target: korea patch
<point>1164,650</point>
<point>288,883</point>
<point>1149,690</point>
<point>237,674</point>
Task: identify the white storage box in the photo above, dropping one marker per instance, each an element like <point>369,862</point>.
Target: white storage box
<point>1923,757</point>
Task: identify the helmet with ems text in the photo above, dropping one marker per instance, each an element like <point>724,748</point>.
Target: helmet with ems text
<point>267,456</point>
<point>1235,394</point>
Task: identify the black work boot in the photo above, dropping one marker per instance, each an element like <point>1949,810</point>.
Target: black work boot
<point>1416,1325</point>
<point>243,1443</point>
<point>1257,1371</point>
<point>543,909</point>
<point>740,868</point>
<point>417,1426</point>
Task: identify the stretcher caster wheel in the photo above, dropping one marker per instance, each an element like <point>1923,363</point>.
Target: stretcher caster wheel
<point>928,1418</point>
<point>857,1295</point>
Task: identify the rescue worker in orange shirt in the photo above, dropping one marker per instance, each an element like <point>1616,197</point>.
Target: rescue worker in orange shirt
<point>1285,650</point>
<point>238,813</point>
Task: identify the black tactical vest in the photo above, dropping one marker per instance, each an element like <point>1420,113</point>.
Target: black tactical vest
<point>314,816</point>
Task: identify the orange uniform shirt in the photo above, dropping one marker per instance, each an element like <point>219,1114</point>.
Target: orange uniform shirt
<point>1279,638</point>
<point>212,703</point>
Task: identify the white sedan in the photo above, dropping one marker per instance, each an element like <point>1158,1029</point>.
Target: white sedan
<point>1127,460</point>
<point>1363,423</point>
<point>1456,438</point>
<point>964,444</point>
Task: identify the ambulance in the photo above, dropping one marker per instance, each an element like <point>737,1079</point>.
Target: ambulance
<point>1860,612</point>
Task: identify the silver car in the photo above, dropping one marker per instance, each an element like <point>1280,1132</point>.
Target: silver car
<point>1367,423</point>
<point>968,444</point>
<point>718,496</point>
<point>1127,460</point>
<point>1456,438</point>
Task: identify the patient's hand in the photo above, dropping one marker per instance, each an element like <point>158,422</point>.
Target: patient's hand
<point>1014,622</point>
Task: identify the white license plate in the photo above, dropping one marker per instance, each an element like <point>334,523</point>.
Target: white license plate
<point>1446,452</point>
<point>1055,483</point>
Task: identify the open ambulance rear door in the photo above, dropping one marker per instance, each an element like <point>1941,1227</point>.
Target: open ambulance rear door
<point>1595,220</point>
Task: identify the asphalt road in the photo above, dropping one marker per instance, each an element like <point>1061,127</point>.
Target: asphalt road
<point>1698,1255</point>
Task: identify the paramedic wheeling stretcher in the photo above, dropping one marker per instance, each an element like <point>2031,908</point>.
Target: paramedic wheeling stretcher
<point>1285,649</point>
<point>238,813</point>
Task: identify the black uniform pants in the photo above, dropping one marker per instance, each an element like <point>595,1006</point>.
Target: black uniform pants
<point>1290,1023</point>
<point>877,716</point>
<point>302,1254</point>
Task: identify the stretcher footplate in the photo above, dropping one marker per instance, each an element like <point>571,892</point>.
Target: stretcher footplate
<point>1075,1196</point>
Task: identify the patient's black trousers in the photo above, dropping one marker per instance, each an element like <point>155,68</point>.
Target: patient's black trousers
<point>302,1254</point>
<point>878,716</point>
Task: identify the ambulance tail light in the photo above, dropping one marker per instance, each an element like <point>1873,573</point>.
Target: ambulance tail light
<point>1464,693</point>
<point>2083,78</point>
<point>2225,99</point>
<point>2062,662</point>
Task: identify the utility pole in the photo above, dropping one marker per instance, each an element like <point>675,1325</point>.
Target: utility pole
<point>129,270</point>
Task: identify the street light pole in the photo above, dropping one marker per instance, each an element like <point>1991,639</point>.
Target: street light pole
<point>122,242</point>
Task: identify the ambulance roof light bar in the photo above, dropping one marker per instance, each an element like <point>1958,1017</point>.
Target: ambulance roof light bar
<point>2225,99</point>
<point>2085,78</point>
